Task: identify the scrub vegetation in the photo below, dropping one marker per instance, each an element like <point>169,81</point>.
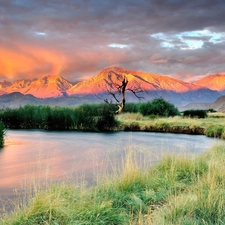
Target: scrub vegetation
<point>179,190</point>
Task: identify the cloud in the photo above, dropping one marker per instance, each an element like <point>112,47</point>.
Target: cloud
<point>79,38</point>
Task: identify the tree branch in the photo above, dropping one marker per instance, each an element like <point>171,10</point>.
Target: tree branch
<point>116,89</point>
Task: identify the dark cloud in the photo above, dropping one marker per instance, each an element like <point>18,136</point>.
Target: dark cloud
<point>80,38</point>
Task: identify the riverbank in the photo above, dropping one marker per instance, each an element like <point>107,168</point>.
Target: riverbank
<point>212,126</point>
<point>178,190</point>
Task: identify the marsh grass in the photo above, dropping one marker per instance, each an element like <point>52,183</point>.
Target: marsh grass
<point>179,190</point>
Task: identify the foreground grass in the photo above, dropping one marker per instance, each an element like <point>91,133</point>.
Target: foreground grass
<point>179,190</point>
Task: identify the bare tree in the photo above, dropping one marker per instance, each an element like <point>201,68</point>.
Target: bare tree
<point>116,90</point>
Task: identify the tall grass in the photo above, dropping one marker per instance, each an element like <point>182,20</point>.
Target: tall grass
<point>2,134</point>
<point>203,202</point>
<point>179,190</point>
<point>91,117</point>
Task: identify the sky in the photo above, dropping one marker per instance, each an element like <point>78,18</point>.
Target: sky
<point>183,39</point>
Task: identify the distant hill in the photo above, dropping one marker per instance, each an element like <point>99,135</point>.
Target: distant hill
<point>195,106</point>
<point>55,90</point>
<point>16,99</point>
<point>219,104</point>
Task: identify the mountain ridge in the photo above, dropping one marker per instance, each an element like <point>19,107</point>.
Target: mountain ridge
<point>176,91</point>
<point>213,82</point>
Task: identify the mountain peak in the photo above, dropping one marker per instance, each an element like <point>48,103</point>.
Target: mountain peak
<point>147,81</point>
<point>44,87</point>
<point>213,82</point>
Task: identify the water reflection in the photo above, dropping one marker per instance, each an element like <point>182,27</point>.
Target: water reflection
<point>40,155</point>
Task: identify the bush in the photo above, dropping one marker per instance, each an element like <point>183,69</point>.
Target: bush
<point>211,110</point>
<point>106,121</point>
<point>195,113</point>
<point>158,107</point>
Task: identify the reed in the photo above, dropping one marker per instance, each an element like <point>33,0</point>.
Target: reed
<point>92,117</point>
<point>2,134</point>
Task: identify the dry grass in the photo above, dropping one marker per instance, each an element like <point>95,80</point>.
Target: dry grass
<point>213,120</point>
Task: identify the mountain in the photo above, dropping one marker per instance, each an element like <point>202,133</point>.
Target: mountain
<point>44,87</point>
<point>16,86</point>
<point>59,91</point>
<point>147,81</point>
<point>3,85</point>
<point>154,86</point>
<point>214,82</point>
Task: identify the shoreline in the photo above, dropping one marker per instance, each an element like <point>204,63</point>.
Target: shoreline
<point>173,129</point>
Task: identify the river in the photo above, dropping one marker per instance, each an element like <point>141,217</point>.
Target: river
<point>38,156</point>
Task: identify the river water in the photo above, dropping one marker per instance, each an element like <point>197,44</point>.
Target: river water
<point>34,155</point>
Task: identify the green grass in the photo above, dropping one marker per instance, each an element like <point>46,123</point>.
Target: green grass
<point>178,190</point>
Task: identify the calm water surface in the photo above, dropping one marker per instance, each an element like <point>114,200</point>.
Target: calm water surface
<point>31,155</point>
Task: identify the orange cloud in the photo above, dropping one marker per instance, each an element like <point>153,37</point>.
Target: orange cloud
<point>30,61</point>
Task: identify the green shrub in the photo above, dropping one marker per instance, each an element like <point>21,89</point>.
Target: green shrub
<point>158,107</point>
<point>211,110</point>
<point>195,113</point>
